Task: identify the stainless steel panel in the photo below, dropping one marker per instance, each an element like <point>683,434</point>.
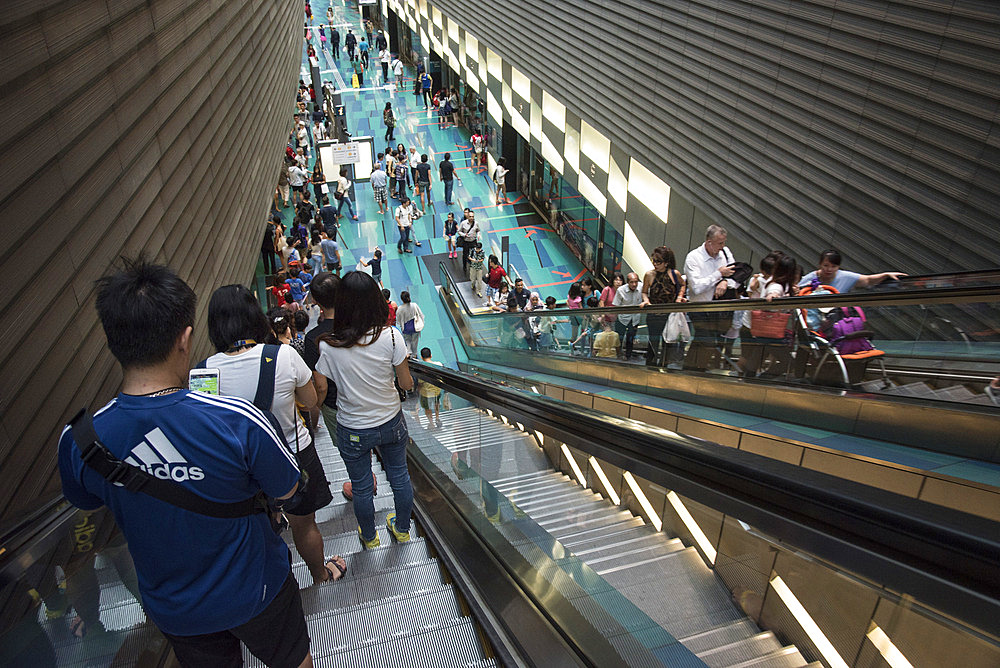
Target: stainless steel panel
<point>929,641</point>
<point>840,606</point>
<point>933,428</point>
<point>744,562</point>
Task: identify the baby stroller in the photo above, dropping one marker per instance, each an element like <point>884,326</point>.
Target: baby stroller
<point>837,342</point>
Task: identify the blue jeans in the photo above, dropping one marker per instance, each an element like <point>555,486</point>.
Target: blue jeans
<point>350,205</point>
<point>449,188</point>
<point>355,447</point>
<point>404,239</point>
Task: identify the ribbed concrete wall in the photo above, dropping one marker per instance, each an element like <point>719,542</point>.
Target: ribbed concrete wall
<point>869,125</point>
<point>125,126</point>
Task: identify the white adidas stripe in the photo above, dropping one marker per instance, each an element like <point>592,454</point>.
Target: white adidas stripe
<point>106,407</point>
<point>241,406</point>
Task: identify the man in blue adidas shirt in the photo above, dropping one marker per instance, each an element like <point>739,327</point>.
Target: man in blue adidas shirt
<point>207,583</point>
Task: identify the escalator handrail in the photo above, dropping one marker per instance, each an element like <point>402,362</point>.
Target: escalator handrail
<point>941,556</point>
<point>987,293</point>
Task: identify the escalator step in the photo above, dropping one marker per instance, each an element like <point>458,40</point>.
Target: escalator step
<point>626,540</point>
<point>382,619</point>
<point>357,590</point>
<point>546,495</point>
<point>721,635</point>
<point>678,591</point>
<point>532,485</point>
<point>624,531</point>
<point>583,507</point>
<point>625,519</point>
<point>639,552</point>
<point>786,657</point>
<point>564,527</point>
<point>754,647</point>
<point>453,643</point>
<point>503,483</point>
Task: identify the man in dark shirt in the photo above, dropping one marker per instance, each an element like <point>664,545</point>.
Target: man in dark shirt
<point>323,288</point>
<point>335,43</point>
<point>328,214</point>
<point>447,171</point>
<point>350,42</point>
<point>423,179</point>
<point>520,294</point>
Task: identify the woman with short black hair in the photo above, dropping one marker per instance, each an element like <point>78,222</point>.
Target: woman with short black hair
<point>238,329</point>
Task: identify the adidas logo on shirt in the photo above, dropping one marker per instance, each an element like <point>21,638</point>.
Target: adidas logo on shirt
<point>157,456</point>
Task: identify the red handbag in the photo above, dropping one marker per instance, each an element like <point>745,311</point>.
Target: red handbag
<point>768,324</point>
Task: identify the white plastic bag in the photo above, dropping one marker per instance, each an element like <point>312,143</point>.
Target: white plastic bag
<point>677,328</point>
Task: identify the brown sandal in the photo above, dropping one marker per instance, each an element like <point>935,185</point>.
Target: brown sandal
<point>336,564</point>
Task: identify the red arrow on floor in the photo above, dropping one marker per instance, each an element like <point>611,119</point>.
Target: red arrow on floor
<point>561,273</point>
<point>530,232</point>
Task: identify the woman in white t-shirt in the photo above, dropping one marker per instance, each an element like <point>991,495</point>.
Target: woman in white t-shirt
<point>344,193</point>
<point>238,327</point>
<point>363,356</point>
<point>499,177</point>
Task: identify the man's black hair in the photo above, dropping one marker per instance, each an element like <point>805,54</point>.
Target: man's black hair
<point>301,320</point>
<point>324,288</point>
<point>235,315</point>
<point>143,309</point>
<point>386,294</point>
<point>447,156</point>
<point>425,353</point>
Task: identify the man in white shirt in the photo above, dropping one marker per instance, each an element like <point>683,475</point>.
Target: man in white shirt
<point>404,221</point>
<point>397,70</point>
<point>297,178</point>
<point>385,57</point>
<point>414,160</point>
<point>468,231</point>
<point>627,324</point>
<point>707,269</point>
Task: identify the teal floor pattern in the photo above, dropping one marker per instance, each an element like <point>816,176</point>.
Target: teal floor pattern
<point>537,253</point>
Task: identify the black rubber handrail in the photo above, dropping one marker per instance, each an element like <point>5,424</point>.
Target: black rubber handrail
<point>944,558</point>
<point>985,293</point>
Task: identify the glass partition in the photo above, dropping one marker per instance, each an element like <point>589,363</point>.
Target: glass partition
<point>646,562</point>
<point>934,348</point>
<point>76,602</point>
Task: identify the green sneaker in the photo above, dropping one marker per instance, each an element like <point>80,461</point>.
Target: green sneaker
<point>400,536</point>
<point>368,544</point>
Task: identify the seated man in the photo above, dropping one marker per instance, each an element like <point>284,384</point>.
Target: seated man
<point>208,581</point>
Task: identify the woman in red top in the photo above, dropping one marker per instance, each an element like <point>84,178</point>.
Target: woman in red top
<point>494,278</point>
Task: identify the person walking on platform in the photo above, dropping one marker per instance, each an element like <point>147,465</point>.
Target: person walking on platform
<point>389,118</point>
<point>344,193</point>
<point>404,221</point>
<point>222,451</point>
<point>363,52</point>
<point>426,82</point>
<point>365,358</point>
<point>350,42</point>
<point>335,43</point>
<point>359,69</point>
<point>662,285</point>
<point>446,170</point>
<point>411,322</point>
<point>384,57</point>
<point>476,259</point>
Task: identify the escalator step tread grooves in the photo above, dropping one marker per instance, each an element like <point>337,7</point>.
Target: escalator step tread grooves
<point>356,590</point>
<point>376,560</point>
<point>721,635</point>
<point>453,643</point>
<point>580,509</point>
<point>612,545</point>
<point>759,645</point>
<point>382,619</point>
<point>786,657</point>
<point>605,538</point>
<point>653,652</point>
<point>560,530</point>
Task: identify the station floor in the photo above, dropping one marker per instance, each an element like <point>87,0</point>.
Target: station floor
<point>542,259</point>
<point>539,255</point>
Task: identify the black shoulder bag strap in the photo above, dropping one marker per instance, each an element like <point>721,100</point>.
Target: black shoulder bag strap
<point>265,390</point>
<point>96,455</point>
